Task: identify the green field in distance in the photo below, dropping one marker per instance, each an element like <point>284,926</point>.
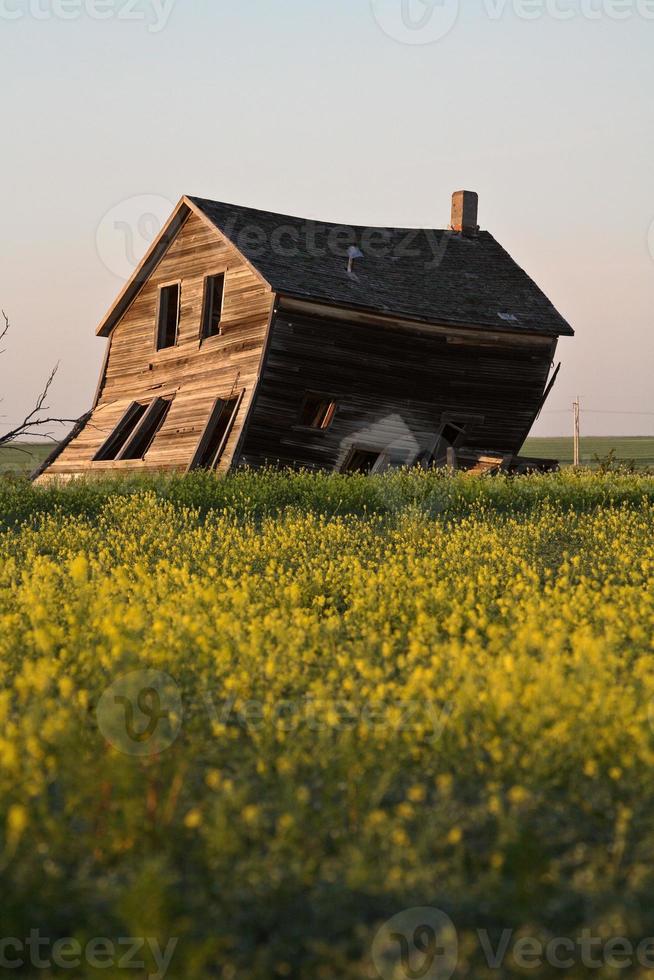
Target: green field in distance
<point>26,457</point>
<point>23,458</point>
<point>640,449</point>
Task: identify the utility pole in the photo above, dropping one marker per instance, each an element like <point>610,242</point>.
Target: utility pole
<point>576,407</point>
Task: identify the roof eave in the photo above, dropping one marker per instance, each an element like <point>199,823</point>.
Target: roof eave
<point>462,324</point>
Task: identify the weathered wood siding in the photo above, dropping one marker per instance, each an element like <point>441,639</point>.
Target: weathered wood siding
<point>195,372</point>
<point>392,387</point>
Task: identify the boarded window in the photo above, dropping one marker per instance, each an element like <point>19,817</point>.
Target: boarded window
<point>364,461</point>
<point>111,448</point>
<point>214,291</point>
<point>168,316</point>
<point>216,434</point>
<point>317,412</point>
<point>141,439</point>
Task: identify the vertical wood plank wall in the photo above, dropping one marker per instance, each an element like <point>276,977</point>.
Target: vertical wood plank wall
<point>196,372</point>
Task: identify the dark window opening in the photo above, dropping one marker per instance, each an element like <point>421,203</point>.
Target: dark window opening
<point>142,438</point>
<point>317,412</point>
<point>214,291</point>
<point>452,435</point>
<point>168,316</point>
<point>363,461</point>
<point>216,434</point>
<point>111,448</point>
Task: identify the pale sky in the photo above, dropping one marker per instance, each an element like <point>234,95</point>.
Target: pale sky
<point>347,110</point>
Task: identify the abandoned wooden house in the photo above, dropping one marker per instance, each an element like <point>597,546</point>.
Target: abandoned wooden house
<point>251,338</point>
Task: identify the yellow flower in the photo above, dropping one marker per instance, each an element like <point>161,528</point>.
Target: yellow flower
<point>193,819</point>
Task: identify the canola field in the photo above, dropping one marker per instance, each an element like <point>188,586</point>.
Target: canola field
<point>328,727</point>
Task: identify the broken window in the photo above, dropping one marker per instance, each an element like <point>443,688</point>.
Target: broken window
<point>452,434</point>
<point>214,438</point>
<point>214,291</point>
<point>317,412</point>
<point>135,432</point>
<point>168,316</point>
<point>364,461</point>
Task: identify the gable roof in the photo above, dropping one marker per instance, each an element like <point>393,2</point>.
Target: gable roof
<point>429,275</point>
<point>424,274</point>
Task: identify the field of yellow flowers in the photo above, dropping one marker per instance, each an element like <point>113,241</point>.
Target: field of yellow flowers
<point>252,720</point>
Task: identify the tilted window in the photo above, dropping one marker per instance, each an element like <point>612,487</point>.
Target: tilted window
<point>361,460</point>
<point>168,315</point>
<point>215,436</point>
<point>317,412</point>
<point>451,435</point>
<point>135,432</point>
<point>212,313</point>
<point>143,436</point>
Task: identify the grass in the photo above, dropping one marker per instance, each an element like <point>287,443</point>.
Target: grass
<point>640,449</point>
<point>24,458</point>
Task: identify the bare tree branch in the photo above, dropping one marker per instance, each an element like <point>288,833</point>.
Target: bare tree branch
<point>4,330</point>
<point>34,419</point>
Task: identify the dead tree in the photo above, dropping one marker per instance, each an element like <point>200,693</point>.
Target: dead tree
<point>38,416</point>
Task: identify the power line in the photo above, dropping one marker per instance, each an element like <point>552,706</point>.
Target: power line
<point>593,411</point>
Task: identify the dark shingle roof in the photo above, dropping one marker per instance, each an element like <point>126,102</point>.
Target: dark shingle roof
<point>423,274</point>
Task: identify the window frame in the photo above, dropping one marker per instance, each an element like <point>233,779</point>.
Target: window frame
<point>208,307</point>
<point>381,464</point>
<point>151,410</point>
<point>134,408</point>
<point>205,438</point>
<point>462,421</point>
<point>322,397</point>
<point>144,410</point>
<point>157,326</point>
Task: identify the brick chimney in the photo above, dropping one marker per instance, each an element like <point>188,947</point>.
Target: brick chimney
<point>465,207</point>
